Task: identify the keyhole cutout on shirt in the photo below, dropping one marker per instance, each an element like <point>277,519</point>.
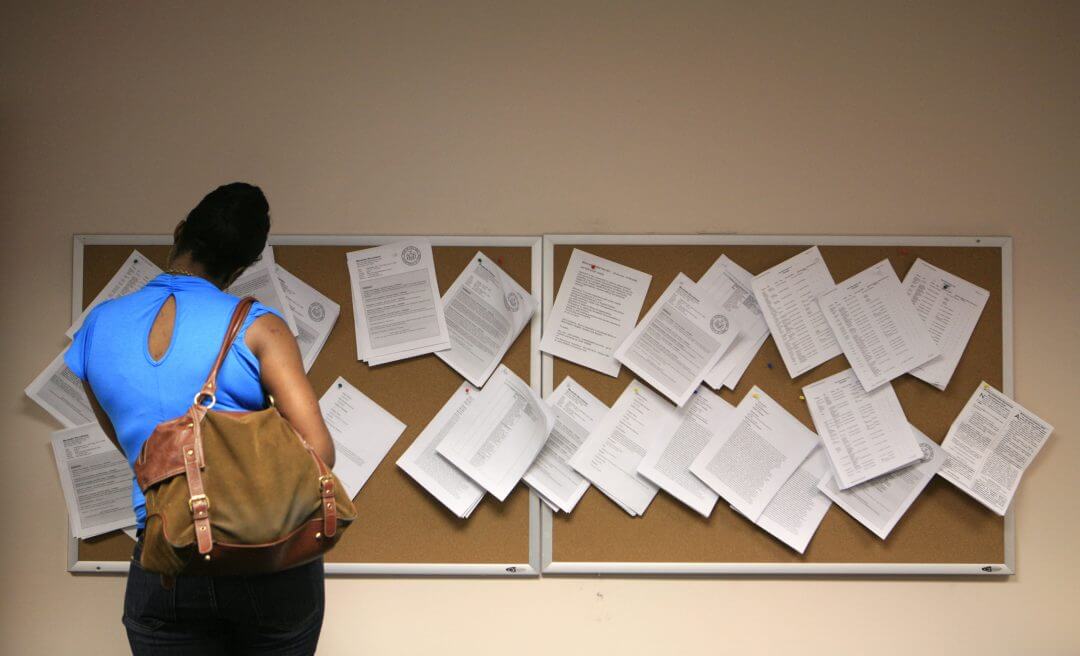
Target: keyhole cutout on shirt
<point>161,331</point>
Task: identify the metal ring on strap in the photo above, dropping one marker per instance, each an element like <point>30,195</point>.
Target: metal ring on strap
<point>201,395</point>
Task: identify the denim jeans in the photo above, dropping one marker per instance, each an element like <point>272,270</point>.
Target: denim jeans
<point>273,614</point>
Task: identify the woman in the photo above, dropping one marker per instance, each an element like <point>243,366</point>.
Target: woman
<point>142,358</point>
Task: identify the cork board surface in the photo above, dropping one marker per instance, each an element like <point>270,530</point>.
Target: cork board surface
<point>398,521</point>
<point>944,525</point>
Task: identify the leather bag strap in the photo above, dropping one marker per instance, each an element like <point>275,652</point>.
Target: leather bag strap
<point>326,494</point>
<point>238,316</point>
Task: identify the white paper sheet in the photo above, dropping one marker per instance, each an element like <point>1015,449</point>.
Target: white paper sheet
<point>787,295</point>
<point>680,339</point>
<point>610,455</point>
<point>726,279</point>
<point>950,307</point>
<point>96,481</point>
<point>878,329</point>
<point>261,281</point>
<point>880,503</point>
<point>396,303</point>
<point>313,313</point>
<point>499,434</point>
<point>667,460</point>
<point>596,308</point>
<point>485,311</point>
<point>363,433</point>
<point>989,446</point>
<point>433,472</point>
<point>135,272</point>
<point>752,456</point>
<point>577,412</point>
<point>61,394</point>
<point>795,513</point>
<point>865,433</point>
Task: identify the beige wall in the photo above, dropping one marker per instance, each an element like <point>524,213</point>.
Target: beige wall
<point>829,118</point>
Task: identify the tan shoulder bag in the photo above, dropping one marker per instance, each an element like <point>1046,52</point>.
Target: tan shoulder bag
<point>235,492</point>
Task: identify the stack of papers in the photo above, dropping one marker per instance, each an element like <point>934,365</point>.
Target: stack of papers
<point>729,281</point>
<point>596,308</point>
<point>396,304</point>
<point>261,281</point>
<point>577,412</point>
<point>363,433</point>
<point>949,307</point>
<point>668,458</point>
<point>500,434</point>
<point>485,311</point>
<point>788,296</point>
<point>877,326</point>
<point>990,445</point>
<point>434,473</point>
<point>680,339</point>
<point>313,313</point>
<point>794,514</point>
<point>96,480</point>
<point>865,433</point>
<point>759,449</point>
<point>879,504</point>
<point>610,455</point>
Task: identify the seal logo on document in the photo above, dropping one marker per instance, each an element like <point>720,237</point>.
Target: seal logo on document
<point>512,301</point>
<point>719,324</point>
<point>927,453</point>
<point>410,255</point>
<point>316,311</point>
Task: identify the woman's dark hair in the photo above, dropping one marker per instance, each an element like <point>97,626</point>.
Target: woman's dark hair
<point>227,230</point>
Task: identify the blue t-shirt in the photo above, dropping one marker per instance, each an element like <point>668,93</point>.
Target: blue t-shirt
<point>111,354</point>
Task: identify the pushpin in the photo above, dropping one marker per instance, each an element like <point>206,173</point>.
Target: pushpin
<point>769,365</point>
<point>466,390</point>
<point>756,395</point>
<point>593,265</point>
<point>339,385</point>
<point>802,398</point>
<point>637,390</point>
<point>479,260</point>
<point>499,260</point>
<point>985,386</point>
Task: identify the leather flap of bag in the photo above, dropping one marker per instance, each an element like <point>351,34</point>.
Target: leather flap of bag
<point>162,454</point>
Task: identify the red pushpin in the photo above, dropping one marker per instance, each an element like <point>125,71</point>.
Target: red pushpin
<point>593,265</point>
<point>903,251</point>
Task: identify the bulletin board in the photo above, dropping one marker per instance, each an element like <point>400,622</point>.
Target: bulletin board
<point>401,529</point>
<point>944,532</point>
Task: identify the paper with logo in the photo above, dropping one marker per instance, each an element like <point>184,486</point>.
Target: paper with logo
<point>135,272</point>
<point>313,312</point>
<point>396,303</point>
<point>485,311</point>
<point>261,281</point>
<point>96,480</point>
<point>680,339</point>
<point>730,281</point>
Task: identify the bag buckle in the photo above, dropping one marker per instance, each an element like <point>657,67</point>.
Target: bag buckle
<point>198,497</point>
<point>323,480</point>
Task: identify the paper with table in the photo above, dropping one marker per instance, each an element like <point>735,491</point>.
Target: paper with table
<point>879,504</point>
<point>96,480</point>
<point>865,433</point>
<point>136,271</point>
<point>794,514</point>
<point>435,473</point>
<point>396,303</point>
<point>788,297</point>
<point>261,281</point>
<point>760,447</point>
<point>313,313</point>
<point>485,311</point>
<point>60,392</point>
<point>610,455</point>
<point>726,279</point>
<point>596,308</point>
<point>668,457</point>
<point>680,339</point>
<point>499,434</point>
<point>950,307</point>
<point>363,433</point>
<point>989,446</point>
<point>878,328</point>
<point>577,412</point>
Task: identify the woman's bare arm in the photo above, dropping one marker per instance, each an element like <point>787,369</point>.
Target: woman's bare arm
<point>102,418</point>
<point>283,376</point>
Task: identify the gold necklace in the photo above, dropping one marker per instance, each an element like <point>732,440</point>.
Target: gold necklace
<point>179,271</point>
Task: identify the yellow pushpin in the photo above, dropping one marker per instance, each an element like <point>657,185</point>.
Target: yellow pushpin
<point>985,386</point>
<point>802,398</point>
<point>756,395</point>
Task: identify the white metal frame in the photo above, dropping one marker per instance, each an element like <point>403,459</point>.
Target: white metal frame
<point>550,566</point>
<point>530,568</point>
